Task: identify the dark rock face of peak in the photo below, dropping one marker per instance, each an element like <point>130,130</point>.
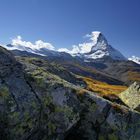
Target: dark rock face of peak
<point>100,42</point>
<point>101,49</point>
<point>36,104</point>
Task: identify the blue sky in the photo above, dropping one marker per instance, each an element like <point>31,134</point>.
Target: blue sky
<point>63,23</point>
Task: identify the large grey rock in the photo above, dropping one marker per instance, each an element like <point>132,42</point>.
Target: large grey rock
<point>131,97</point>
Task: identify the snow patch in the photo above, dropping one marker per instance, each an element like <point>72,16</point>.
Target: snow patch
<point>135,59</point>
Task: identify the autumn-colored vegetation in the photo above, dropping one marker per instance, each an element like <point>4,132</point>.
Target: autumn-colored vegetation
<point>102,87</point>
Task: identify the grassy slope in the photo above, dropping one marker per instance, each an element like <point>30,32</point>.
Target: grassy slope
<point>91,72</point>
<point>57,70</point>
<point>102,87</point>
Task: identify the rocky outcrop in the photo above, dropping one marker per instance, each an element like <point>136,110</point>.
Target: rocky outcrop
<point>131,97</point>
<point>101,120</point>
<point>36,104</point>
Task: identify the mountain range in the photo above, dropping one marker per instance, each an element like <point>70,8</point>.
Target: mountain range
<point>96,59</point>
<point>86,93</point>
<point>96,48</point>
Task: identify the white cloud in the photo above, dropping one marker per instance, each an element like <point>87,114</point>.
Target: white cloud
<point>93,36</point>
<point>75,49</point>
<point>18,42</point>
<point>64,50</point>
<point>83,47</point>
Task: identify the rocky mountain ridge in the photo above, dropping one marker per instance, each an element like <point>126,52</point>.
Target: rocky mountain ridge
<point>96,48</point>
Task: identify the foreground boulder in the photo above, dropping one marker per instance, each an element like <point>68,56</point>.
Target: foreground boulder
<point>131,96</point>
<point>38,105</point>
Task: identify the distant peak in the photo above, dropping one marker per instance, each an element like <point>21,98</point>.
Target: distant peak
<point>134,59</point>
<point>97,36</point>
<point>99,41</point>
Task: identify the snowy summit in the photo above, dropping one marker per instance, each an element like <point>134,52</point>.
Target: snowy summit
<point>135,59</point>
<point>96,47</point>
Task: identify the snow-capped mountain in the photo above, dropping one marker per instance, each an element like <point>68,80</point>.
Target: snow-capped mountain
<point>135,59</point>
<point>97,47</point>
<point>102,49</point>
<point>39,47</point>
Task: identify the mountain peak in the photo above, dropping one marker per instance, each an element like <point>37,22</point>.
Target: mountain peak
<point>100,42</point>
<point>95,35</point>
<point>100,48</point>
<point>96,47</point>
